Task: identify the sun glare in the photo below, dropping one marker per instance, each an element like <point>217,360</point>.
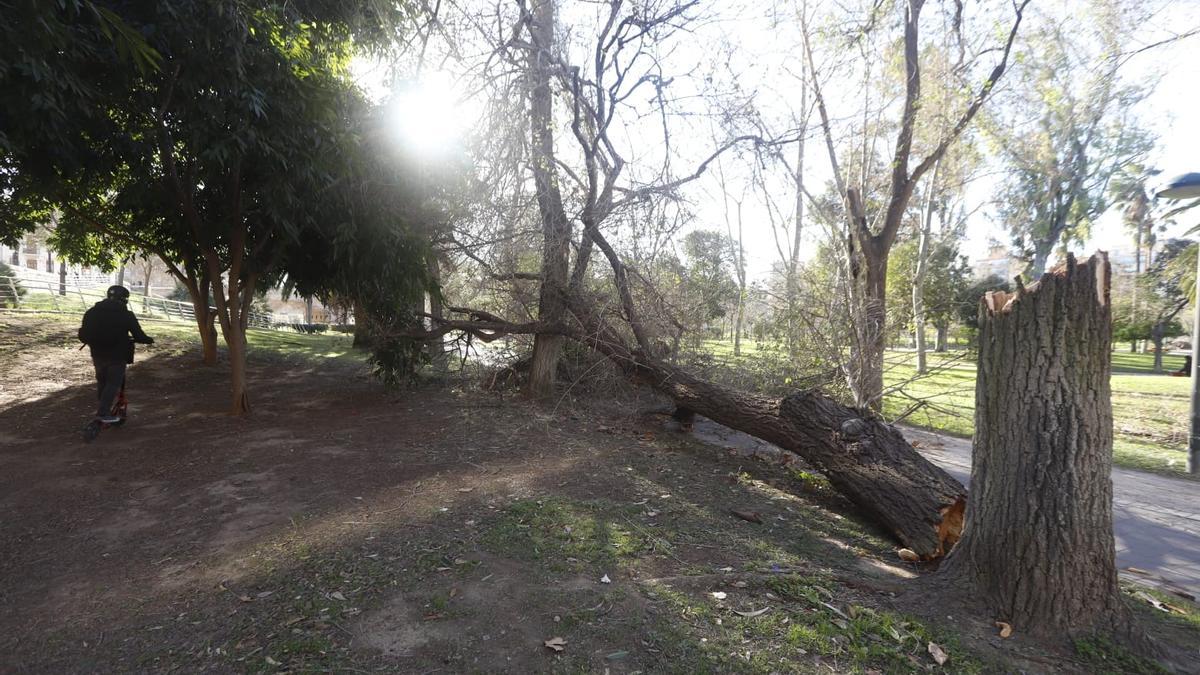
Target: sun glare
<point>427,118</point>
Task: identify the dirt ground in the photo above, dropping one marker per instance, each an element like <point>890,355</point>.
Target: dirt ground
<point>344,528</point>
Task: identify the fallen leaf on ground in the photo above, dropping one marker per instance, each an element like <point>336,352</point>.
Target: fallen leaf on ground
<point>272,662</point>
<point>748,516</point>
<point>1005,629</point>
<point>720,595</point>
<point>938,653</point>
<point>835,610</point>
<point>1138,570</point>
<point>754,613</point>
<point>605,580</point>
<point>557,644</point>
<point>841,623</point>
<point>908,554</point>
<point>617,655</point>
<point>337,595</point>
<point>466,489</point>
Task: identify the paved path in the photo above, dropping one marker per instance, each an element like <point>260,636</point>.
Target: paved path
<point>1156,519</point>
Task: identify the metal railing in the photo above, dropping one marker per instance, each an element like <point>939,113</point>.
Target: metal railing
<point>85,277</point>
<point>22,293</point>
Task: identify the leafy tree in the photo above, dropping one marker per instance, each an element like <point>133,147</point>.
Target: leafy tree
<point>1063,131</point>
<point>11,290</point>
<point>966,302</point>
<point>1129,191</point>
<point>215,160</point>
<point>1170,285</point>
<point>947,279</point>
<point>708,275</point>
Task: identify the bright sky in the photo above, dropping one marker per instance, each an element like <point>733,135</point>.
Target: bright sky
<point>431,117</point>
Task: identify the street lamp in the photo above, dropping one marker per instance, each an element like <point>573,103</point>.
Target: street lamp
<point>1187,186</point>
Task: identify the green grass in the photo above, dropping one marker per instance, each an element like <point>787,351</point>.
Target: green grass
<point>285,344</point>
<point>1150,412</point>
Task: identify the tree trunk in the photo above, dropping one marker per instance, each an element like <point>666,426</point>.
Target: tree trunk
<point>1038,542</point>
<point>865,459</point>
<point>361,325</point>
<point>793,281</point>
<point>556,227</point>
<point>205,317</point>
<point>1041,255</point>
<point>918,290</point>
<point>871,330</point>
<point>740,260</point>
<point>436,346</point>
<point>1156,336</point>
<point>235,338</point>
<point>62,277</point>
<point>943,338</point>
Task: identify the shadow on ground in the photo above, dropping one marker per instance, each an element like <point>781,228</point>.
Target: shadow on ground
<point>345,528</point>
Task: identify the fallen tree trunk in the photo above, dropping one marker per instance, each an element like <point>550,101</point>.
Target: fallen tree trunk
<point>867,460</point>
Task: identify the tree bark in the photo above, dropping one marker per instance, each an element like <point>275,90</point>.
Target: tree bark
<point>1156,336</point>
<point>436,346</point>
<point>556,227</point>
<point>872,326</point>
<point>943,338</point>
<point>361,325</point>
<point>918,290</point>
<point>197,289</point>
<point>1038,542</point>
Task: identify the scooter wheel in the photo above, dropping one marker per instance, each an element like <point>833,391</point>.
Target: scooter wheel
<point>91,431</point>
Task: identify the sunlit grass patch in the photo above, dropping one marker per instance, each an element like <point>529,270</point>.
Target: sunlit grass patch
<point>568,536</point>
<point>1104,657</point>
<point>807,622</point>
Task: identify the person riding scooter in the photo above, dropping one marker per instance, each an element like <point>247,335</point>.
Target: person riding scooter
<point>107,331</point>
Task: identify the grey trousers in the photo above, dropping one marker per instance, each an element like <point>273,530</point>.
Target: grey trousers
<point>110,375</point>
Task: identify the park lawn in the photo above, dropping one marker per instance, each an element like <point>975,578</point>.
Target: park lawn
<point>286,344</point>
<point>1150,412</point>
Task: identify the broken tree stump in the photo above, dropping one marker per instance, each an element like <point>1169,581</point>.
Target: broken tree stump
<point>1038,542</point>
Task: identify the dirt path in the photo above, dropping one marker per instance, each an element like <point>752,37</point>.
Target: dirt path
<point>344,528</point>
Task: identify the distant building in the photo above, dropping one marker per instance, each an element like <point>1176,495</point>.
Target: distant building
<point>998,262</point>
<point>33,259</point>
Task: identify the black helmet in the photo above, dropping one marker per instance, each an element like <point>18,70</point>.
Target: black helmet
<point>117,293</point>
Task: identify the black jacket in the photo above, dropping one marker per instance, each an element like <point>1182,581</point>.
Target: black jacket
<point>107,328</point>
